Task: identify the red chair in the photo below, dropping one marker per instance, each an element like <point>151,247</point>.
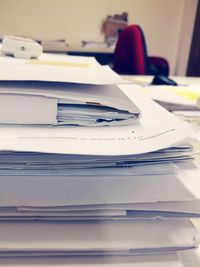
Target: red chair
<point>130,55</point>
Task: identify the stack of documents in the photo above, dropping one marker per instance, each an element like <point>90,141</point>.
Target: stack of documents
<point>62,93</point>
<point>65,104</point>
<point>182,100</point>
<point>99,193</point>
<point>175,98</point>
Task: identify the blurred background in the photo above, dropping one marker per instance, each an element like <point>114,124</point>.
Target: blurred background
<point>167,25</point>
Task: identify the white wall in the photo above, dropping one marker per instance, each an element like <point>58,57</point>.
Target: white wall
<point>78,20</point>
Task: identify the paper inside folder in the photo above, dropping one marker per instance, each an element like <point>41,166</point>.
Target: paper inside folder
<point>65,104</point>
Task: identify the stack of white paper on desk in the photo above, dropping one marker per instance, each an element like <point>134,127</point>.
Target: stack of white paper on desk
<point>99,191</point>
<point>133,174</point>
<point>62,93</point>
<point>118,237</point>
<point>182,100</point>
<point>175,98</point>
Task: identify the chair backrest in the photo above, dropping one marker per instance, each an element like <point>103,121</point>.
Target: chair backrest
<point>130,55</point>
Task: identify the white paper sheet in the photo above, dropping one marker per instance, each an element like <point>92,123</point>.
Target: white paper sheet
<point>77,190</point>
<point>68,72</point>
<point>15,212</point>
<point>97,236</point>
<point>150,134</point>
<point>192,206</point>
<point>10,169</point>
<point>179,97</point>
<point>161,260</point>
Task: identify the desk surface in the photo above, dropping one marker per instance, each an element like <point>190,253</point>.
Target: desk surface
<point>140,79</point>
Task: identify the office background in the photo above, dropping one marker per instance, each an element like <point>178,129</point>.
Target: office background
<point>167,25</point>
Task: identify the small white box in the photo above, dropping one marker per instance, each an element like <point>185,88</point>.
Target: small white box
<point>20,47</point>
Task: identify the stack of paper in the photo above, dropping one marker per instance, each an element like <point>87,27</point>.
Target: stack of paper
<point>182,100</point>
<point>99,191</point>
<point>175,97</point>
<point>65,104</point>
<point>41,92</point>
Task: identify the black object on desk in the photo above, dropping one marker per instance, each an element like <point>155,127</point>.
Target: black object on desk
<point>163,80</point>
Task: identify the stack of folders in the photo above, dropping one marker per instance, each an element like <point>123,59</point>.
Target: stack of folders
<point>117,195</point>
